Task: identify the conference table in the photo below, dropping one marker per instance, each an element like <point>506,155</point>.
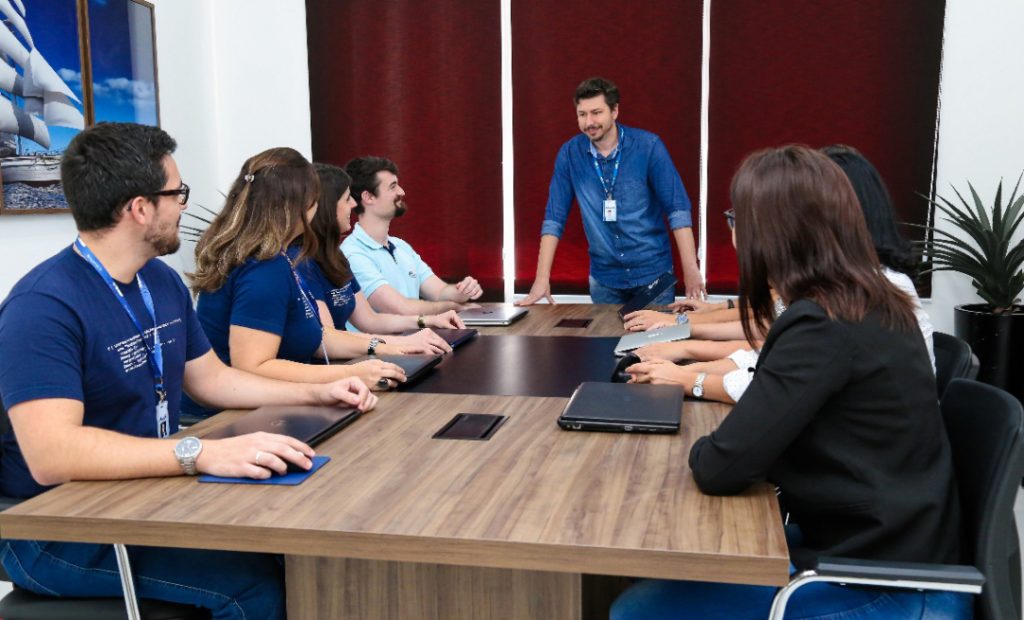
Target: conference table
<point>527,524</point>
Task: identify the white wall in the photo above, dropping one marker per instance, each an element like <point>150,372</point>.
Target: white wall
<point>981,121</point>
<point>234,80</point>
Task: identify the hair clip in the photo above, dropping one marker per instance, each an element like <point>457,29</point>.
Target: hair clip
<point>249,178</point>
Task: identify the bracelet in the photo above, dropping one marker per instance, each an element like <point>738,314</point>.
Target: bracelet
<point>730,304</point>
<point>421,322</point>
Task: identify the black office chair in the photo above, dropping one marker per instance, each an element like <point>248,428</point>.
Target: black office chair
<point>985,431</point>
<point>953,360</point>
<point>22,604</point>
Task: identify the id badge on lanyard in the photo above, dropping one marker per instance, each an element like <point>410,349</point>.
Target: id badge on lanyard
<point>610,208</point>
<point>610,214</point>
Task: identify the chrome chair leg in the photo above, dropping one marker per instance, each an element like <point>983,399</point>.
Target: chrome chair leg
<point>131,601</point>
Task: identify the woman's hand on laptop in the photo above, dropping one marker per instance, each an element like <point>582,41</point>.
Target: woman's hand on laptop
<point>348,392</point>
<point>445,320</point>
<point>659,372</point>
<point>425,340</point>
<point>668,351</point>
<point>646,320</point>
<point>375,372</point>
<point>256,455</point>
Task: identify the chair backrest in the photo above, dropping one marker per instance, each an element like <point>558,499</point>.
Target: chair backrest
<point>986,432</point>
<point>953,360</point>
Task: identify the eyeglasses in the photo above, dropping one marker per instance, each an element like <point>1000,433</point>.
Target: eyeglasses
<point>730,218</point>
<point>181,193</point>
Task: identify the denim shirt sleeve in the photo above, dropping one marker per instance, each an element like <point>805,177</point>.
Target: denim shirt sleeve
<point>560,195</point>
<point>668,187</point>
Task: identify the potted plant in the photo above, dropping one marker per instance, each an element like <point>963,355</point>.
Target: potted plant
<point>981,246</point>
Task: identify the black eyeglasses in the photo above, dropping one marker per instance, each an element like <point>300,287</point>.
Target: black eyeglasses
<point>730,218</point>
<point>181,193</point>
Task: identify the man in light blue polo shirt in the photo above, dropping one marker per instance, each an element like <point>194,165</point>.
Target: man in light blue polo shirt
<point>392,275</point>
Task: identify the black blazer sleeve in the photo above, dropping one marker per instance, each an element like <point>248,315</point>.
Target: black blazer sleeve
<point>805,360</point>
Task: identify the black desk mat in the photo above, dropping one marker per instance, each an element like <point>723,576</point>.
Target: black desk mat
<point>521,366</point>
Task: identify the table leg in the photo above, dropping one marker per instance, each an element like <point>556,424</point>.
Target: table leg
<point>340,588</point>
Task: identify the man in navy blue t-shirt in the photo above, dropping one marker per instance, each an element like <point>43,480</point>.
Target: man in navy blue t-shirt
<point>97,344</point>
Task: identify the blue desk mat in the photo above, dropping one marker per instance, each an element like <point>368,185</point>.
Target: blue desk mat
<point>289,479</point>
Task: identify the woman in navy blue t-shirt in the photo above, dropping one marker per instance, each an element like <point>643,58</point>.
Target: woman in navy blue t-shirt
<point>253,302</point>
<point>336,289</point>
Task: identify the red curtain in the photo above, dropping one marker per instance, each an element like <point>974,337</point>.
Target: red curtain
<point>419,83</point>
<point>651,50</point>
<point>862,73</point>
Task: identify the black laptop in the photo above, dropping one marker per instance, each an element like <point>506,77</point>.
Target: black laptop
<point>624,408</point>
<point>415,366</point>
<point>650,292</point>
<point>310,425</point>
<point>454,337</point>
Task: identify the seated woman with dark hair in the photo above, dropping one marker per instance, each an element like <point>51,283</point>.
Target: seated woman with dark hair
<point>841,413</point>
<point>334,287</point>
<point>252,302</point>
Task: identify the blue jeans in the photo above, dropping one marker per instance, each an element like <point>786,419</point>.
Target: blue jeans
<point>656,599</point>
<point>601,294</point>
<point>233,585</point>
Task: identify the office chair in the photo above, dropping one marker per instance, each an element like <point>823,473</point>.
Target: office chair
<point>984,425</point>
<point>953,360</point>
<point>22,604</point>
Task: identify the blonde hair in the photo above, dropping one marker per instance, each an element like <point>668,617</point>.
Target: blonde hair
<point>267,202</point>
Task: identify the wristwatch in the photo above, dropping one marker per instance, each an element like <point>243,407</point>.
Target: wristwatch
<point>421,322</point>
<point>187,451</point>
<point>730,304</point>
<point>682,319</point>
<point>371,349</point>
<point>698,385</point>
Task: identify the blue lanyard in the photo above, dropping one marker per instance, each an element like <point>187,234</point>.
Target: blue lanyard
<point>310,307</point>
<point>155,354</point>
<point>608,189</point>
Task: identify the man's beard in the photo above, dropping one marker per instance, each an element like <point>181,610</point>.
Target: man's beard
<point>164,242</point>
<point>400,208</point>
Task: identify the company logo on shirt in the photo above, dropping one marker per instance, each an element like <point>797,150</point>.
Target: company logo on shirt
<point>132,352</point>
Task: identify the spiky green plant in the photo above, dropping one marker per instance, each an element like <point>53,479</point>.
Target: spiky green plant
<point>980,247</point>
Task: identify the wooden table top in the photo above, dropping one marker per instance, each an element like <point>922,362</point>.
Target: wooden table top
<point>533,497</point>
<point>542,319</point>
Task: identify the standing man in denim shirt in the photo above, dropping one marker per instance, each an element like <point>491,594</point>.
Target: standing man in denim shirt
<point>626,185</point>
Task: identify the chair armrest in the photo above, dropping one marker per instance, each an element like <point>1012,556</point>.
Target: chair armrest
<point>906,575</point>
<point>950,574</point>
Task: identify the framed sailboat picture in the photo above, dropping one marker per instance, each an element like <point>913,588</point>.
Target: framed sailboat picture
<point>64,65</point>
<point>42,105</point>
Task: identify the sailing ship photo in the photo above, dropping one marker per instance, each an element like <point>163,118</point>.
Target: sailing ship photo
<point>64,65</point>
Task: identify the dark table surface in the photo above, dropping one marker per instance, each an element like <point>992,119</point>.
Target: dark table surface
<point>521,366</point>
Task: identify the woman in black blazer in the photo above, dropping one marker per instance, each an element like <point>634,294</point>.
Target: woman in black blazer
<point>841,413</point>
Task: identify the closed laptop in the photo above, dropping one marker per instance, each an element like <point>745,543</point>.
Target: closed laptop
<point>493,314</point>
<point>671,333</point>
<point>454,337</point>
<point>623,407</point>
<point>310,425</point>
<point>415,366</point>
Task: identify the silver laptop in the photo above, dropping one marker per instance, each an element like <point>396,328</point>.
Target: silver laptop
<point>664,334</point>
<point>493,314</point>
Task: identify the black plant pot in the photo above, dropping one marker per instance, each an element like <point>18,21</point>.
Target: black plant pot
<point>995,339</point>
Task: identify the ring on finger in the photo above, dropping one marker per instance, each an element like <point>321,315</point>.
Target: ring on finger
<point>383,383</point>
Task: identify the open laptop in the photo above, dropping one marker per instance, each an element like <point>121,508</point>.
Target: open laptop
<point>454,337</point>
<point>493,314</point>
<point>623,407</point>
<point>310,425</point>
<point>415,366</point>
<point>651,292</point>
<point>641,339</point>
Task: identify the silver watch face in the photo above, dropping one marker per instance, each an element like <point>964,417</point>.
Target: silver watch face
<point>698,391</point>
<point>188,447</point>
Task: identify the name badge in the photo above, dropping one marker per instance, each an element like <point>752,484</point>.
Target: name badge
<point>609,210</point>
<point>163,419</point>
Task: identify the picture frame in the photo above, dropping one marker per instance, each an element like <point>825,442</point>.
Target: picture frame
<point>113,43</point>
